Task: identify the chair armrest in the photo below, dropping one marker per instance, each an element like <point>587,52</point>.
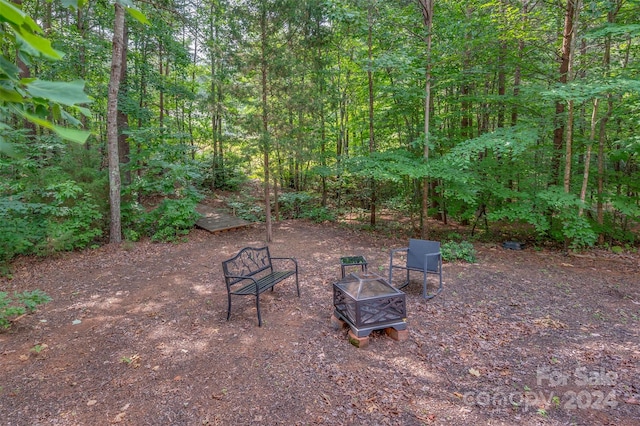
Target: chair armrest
<point>398,250</point>
<point>436,255</point>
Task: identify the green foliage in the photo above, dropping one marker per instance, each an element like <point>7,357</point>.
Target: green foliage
<point>293,203</point>
<point>299,205</point>
<point>73,219</point>
<point>33,99</point>
<point>247,208</point>
<point>172,218</point>
<point>19,304</point>
<point>318,214</point>
<point>463,250</point>
<point>168,180</point>
<point>58,217</point>
<point>222,175</point>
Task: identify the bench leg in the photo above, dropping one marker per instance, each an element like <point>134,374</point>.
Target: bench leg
<point>258,309</point>
<point>228,306</point>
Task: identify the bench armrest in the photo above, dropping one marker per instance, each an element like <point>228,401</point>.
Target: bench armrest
<point>292,259</point>
<point>242,277</point>
<point>232,280</point>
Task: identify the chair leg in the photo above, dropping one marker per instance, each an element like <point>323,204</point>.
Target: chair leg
<point>424,286</point>
<point>403,285</point>
<point>228,306</point>
<point>406,283</point>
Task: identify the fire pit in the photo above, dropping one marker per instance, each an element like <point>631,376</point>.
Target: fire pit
<point>366,302</point>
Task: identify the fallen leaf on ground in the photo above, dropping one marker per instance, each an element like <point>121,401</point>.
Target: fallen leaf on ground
<point>548,322</point>
<point>474,372</point>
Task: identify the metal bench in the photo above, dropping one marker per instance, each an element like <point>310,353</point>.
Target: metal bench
<point>251,273</point>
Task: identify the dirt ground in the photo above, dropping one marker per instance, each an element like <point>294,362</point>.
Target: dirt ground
<point>137,335</point>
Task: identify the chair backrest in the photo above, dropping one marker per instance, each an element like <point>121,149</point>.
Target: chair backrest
<point>417,250</point>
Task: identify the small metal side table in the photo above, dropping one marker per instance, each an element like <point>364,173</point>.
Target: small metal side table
<point>352,261</point>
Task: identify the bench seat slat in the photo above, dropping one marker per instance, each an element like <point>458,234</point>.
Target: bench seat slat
<point>263,283</point>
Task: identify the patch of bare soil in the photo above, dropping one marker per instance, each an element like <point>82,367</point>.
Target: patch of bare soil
<point>138,336</point>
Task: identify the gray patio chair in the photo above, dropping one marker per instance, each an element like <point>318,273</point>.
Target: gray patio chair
<point>421,256</point>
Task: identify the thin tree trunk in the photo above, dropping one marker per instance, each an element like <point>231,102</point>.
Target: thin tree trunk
<point>611,18</point>
<point>558,133</point>
<point>466,122</point>
<point>426,6</point>
<point>571,113</point>
<point>568,149</point>
<point>123,119</point>
<point>372,141</point>
<point>276,207</point>
<point>115,235</point>
<point>587,157</point>
<point>265,124</point>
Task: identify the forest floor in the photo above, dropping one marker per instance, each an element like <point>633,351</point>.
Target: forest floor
<point>137,335</point>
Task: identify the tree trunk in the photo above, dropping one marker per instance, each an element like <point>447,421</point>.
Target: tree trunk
<point>426,6</point>
<point>587,156</point>
<point>115,235</point>
<point>611,18</point>
<point>123,120</point>
<point>558,133</point>
<point>571,113</point>
<point>466,121</point>
<point>372,141</point>
<point>265,123</point>
<point>568,149</point>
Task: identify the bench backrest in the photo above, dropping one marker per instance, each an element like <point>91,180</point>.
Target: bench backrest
<point>248,262</point>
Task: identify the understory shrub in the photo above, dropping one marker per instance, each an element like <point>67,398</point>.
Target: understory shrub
<point>463,250</point>
<point>59,217</point>
<point>166,222</point>
<point>169,198</point>
<point>302,205</point>
<point>318,214</point>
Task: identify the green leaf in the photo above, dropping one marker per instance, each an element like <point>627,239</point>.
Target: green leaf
<point>9,95</point>
<point>84,111</point>
<point>65,93</point>
<point>73,135</point>
<point>137,15</point>
<point>73,4</point>
<point>7,148</point>
<point>39,44</point>
<point>10,13</point>
<point>9,69</point>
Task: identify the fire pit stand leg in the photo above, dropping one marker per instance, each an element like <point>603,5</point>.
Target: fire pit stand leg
<point>397,335</point>
<point>358,342</point>
<point>360,337</point>
<point>337,323</point>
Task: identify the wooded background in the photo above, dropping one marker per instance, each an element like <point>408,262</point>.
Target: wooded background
<point>530,117</point>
